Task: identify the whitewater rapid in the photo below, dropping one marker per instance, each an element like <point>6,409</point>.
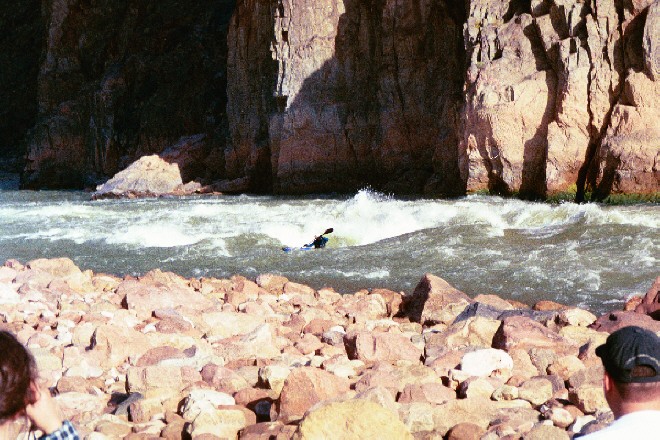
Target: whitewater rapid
<point>590,255</point>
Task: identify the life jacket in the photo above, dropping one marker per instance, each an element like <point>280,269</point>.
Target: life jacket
<point>320,241</point>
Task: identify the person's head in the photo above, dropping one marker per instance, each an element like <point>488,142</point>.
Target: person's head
<point>17,374</point>
<point>631,358</point>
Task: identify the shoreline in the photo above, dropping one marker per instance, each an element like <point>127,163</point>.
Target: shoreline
<point>163,356</point>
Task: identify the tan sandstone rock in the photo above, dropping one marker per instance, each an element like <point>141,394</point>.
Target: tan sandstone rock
<point>351,419</point>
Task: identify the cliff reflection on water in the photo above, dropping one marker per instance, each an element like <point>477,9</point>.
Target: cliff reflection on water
<point>589,255</point>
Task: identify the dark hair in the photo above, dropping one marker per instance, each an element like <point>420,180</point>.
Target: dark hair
<point>638,392</point>
<point>17,372</point>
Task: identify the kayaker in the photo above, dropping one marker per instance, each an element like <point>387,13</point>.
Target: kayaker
<point>319,241</point>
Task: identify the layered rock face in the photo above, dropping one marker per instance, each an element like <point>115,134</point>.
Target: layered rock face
<point>528,97</point>
<point>333,95</point>
<point>121,79</point>
<point>558,95</point>
<point>553,97</point>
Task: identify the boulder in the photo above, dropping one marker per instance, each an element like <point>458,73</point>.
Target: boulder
<point>259,343</point>
<point>392,299</point>
<point>434,301</point>
<point>429,392</point>
<point>8,294</point>
<point>417,417</point>
<point>143,379</point>
<point>521,332</point>
<point>472,332</point>
<point>342,366</point>
<point>380,395</point>
<point>536,391</point>
<point>650,304</point>
<point>565,366</point>
<point>156,355</point>
<point>546,432</point>
<point>219,325</point>
<point>145,296</point>
<point>366,308</point>
<point>486,362</point>
<point>589,397</point>
<point>116,343</point>
<point>478,411</point>
<point>613,321</point>
<point>465,431</point>
<point>372,347</point>
<point>304,387</point>
<point>268,430</point>
<point>200,400</point>
<point>223,379</point>
<point>223,422</point>
<point>349,420</point>
<point>476,387</point>
<point>149,176</point>
<point>63,269</point>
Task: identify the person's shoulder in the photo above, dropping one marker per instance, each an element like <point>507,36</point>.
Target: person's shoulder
<point>639,425</point>
<point>66,432</point>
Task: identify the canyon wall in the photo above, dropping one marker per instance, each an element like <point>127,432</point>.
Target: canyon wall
<point>435,97</point>
<point>335,95</point>
<point>122,79</point>
<point>561,93</point>
<point>21,43</point>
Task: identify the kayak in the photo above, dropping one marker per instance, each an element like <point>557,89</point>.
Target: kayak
<point>319,242</point>
<point>301,248</point>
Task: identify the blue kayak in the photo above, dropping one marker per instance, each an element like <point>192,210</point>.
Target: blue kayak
<point>319,242</point>
<point>301,248</point>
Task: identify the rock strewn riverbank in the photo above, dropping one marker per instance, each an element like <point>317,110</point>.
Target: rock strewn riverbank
<point>161,356</point>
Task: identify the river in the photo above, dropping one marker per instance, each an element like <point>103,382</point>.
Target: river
<point>589,255</point>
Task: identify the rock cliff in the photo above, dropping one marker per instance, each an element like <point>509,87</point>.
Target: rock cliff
<point>549,97</point>
<point>123,79</point>
<point>439,97</point>
<point>348,93</point>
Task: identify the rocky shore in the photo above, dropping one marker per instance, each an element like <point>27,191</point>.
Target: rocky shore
<point>162,356</point>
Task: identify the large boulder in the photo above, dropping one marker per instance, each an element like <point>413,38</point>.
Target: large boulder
<point>612,321</point>
<point>149,176</point>
<point>115,344</point>
<point>350,420</point>
<point>650,304</point>
<point>304,387</point>
<point>521,332</point>
<point>259,343</point>
<point>158,290</point>
<point>434,301</point>
<point>376,346</point>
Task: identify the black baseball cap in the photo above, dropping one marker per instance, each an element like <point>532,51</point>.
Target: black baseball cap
<point>631,347</point>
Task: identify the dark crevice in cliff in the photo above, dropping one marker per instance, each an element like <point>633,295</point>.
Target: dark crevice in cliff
<point>593,140</point>
<point>400,96</point>
<point>517,7</point>
<point>587,174</point>
<point>445,180</point>
<point>534,174</point>
<point>22,41</point>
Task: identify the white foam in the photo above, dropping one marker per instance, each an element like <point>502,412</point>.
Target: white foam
<point>159,236</point>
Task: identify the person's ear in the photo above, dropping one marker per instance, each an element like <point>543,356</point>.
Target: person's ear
<point>34,394</point>
<point>608,383</point>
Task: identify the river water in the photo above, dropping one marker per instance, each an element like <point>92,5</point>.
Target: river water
<point>589,255</point>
